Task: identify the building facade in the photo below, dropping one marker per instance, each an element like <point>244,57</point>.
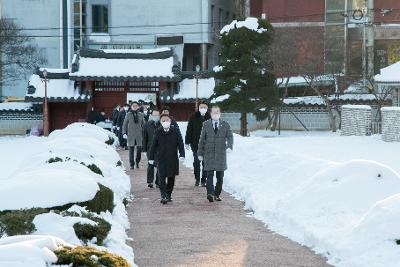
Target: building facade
<point>190,27</point>
<point>359,37</point>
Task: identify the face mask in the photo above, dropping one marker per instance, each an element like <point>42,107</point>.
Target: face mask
<point>155,118</point>
<point>126,108</point>
<point>166,124</point>
<point>203,111</point>
<point>215,116</point>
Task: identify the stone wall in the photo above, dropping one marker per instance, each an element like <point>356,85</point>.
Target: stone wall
<point>19,123</point>
<point>356,120</point>
<point>391,124</point>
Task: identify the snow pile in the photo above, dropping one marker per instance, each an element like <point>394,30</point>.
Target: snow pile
<point>22,106</point>
<point>389,74</point>
<point>335,194</point>
<point>188,88</point>
<point>29,181</point>
<point>219,99</point>
<point>250,23</point>
<point>316,100</point>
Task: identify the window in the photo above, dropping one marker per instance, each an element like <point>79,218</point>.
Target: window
<point>77,23</point>
<point>99,18</point>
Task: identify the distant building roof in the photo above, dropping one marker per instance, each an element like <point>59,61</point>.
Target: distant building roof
<point>15,106</point>
<point>59,87</point>
<point>123,64</point>
<point>187,90</point>
<point>390,74</point>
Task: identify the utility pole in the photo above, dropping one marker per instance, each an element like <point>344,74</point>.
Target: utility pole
<point>368,42</point>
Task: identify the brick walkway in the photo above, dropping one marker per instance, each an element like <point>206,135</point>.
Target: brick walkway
<point>193,232</point>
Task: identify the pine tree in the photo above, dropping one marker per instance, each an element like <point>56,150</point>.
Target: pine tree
<point>245,83</point>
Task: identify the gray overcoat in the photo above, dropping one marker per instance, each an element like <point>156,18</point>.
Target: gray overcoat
<point>133,130</point>
<point>212,147</point>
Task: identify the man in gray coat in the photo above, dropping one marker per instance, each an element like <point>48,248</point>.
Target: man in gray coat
<point>216,140</point>
<point>132,130</point>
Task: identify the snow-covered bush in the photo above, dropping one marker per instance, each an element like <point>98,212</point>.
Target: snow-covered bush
<point>18,222</point>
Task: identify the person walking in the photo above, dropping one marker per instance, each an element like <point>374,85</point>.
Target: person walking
<point>216,140</point>
<point>192,140</point>
<point>114,118</point>
<point>132,130</point>
<point>150,129</point>
<point>167,111</point>
<point>164,150</point>
<point>120,122</point>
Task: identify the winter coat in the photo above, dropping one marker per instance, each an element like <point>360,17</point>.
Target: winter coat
<point>212,147</point>
<point>150,129</point>
<point>194,129</point>
<point>164,150</point>
<point>121,118</point>
<point>114,117</point>
<point>134,128</point>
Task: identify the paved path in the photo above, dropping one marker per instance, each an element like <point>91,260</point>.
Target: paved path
<point>193,232</point>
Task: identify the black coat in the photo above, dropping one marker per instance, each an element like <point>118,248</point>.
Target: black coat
<point>164,150</point>
<point>121,118</point>
<point>194,129</point>
<point>149,131</point>
<point>114,117</point>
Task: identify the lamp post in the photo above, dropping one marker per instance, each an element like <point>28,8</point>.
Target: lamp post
<point>197,76</point>
<point>45,106</point>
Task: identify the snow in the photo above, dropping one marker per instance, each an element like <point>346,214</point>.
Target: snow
<point>125,67</point>
<point>364,107</point>
<point>23,106</point>
<point>29,181</point>
<point>250,23</point>
<point>338,195</point>
<point>218,68</point>
<point>188,88</point>
<point>32,251</point>
<point>220,99</point>
<point>137,51</point>
<point>63,88</point>
<point>390,74</point>
<point>316,100</point>
<point>390,109</point>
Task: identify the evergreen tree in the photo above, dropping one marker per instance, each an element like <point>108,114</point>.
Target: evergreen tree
<point>245,83</point>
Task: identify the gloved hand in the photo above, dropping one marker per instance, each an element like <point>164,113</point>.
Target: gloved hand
<point>229,150</point>
<point>113,127</point>
<point>187,146</point>
<point>200,158</point>
<point>181,158</point>
<point>125,136</point>
<point>151,162</point>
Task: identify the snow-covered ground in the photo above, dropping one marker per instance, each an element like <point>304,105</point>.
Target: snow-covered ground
<point>28,180</point>
<point>338,195</point>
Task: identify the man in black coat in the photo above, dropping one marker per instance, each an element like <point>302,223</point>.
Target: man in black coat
<point>192,140</point>
<point>120,122</point>
<point>150,129</point>
<point>164,150</point>
<point>167,111</point>
<point>114,118</point>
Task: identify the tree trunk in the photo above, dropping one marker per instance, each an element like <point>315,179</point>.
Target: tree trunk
<point>275,122</point>
<point>243,124</point>
<point>332,119</point>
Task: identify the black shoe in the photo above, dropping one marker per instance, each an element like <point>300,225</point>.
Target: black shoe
<point>169,199</point>
<point>203,184</point>
<point>217,198</point>
<point>137,165</point>
<point>126,148</point>
<point>164,201</point>
<point>157,186</point>
<point>210,198</point>
<point>150,185</point>
<point>197,184</point>
<point>132,167</point>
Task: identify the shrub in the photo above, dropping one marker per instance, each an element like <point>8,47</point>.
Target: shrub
<point>56,159</point>
<point>19,222</point>
<point>110,141</point>
<point>88,257</point>
<point>93,167</point>
<point>86,232</point>
<point>119,163</point>
<point>102,201</point>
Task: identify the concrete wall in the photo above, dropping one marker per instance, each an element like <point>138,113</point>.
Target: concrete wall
<point>19,123</point>
<point>31,14</point>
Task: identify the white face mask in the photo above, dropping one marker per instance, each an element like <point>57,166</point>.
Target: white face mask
<point>155,118</point>
<point>126,108</point>
<point>215,116</point>
<point>166,124</point>
<point>203,111</point>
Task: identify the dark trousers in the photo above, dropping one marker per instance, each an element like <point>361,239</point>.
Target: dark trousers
<point>150,174</point>
<point>132,159</point>
<point>166,186</point>
<point>196,168</point>
<point>210,183</point>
